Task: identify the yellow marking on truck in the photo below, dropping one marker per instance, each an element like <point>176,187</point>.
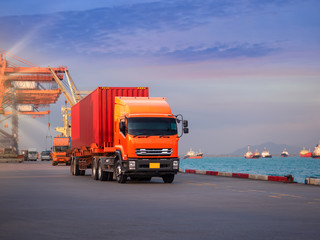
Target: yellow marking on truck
<point>154,165</point>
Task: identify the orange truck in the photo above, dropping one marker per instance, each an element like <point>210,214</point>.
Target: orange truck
<point>61,150</point>
<point>123,133</point>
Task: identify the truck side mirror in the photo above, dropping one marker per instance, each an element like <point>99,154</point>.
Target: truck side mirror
<point>185,130</point>
<point>185,123</point>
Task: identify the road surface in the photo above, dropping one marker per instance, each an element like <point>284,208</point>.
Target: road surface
<point>40,201</point>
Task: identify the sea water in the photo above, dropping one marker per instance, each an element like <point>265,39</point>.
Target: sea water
<point>298,167</point>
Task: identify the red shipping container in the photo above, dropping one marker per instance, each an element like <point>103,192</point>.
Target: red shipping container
<point>92,119</point>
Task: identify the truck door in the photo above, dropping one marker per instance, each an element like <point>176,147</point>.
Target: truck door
<point>123,136</point>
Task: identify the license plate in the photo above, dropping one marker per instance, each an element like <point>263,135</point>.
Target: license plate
<point>154,165</point>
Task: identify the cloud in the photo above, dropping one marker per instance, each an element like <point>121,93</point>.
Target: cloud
<point>186,30</point>
<point>220,51</point>
<point>105,30</point>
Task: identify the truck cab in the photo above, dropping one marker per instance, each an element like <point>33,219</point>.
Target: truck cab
<point>61,150</point>
<point>146,135</point>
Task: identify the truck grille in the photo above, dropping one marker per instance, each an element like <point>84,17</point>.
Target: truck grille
<point>153,151</point>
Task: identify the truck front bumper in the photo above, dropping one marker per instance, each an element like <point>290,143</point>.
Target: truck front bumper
<point>61,159</point>
<point>150,167</point>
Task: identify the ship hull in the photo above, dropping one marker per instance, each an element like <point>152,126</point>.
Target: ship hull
<point>195,157</point>
<point>306,155</point>
<point>284,155</point>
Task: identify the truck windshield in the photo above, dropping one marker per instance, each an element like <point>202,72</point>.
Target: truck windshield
<point>152,126</point>
<point>60,148</point>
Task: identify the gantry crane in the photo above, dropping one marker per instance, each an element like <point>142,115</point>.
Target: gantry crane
<point>25,88</point>
<point>73,95</point>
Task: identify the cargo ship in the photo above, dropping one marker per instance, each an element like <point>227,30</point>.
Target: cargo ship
<point>248,154</point>
<point>256,154</point>
<point>193,154</point>
<point>316,152</point>
<point>284,153</point>
<point>305,153</point>
<point>266,154</point>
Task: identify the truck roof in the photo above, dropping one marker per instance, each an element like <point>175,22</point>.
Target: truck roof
<point>61,141</point>
<point>144,105</point>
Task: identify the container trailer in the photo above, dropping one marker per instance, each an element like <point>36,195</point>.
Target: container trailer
<point>122,132</point>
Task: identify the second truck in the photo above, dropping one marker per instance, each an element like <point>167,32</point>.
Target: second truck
<point>122,132</point>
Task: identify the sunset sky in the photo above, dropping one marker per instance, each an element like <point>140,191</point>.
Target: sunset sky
<point>243,72</point>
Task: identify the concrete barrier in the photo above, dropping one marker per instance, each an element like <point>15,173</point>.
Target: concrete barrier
<point>11,160</point>
<point>214,173</point>
<point>225,174</point>
<point>258,177</point>
<point>312,181</point>
<point>240,175</point>
<point>286,179</point>
<point>202,172</point>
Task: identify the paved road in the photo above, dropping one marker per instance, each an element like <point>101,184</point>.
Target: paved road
<point>39,201</point>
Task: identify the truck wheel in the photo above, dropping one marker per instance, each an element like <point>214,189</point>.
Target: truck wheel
<point>168,178</point>
<point>147,179</point>
<point>121,178</point>
<point>102,176</point>
<point>82,172</point>
<point>72,167</point>
<point>94,173</point>
<point>54,163</point>
<point>76,167</point>
<point>109,176</point>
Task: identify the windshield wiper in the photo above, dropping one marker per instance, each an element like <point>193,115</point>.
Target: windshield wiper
<point>164,136</point>
<point>142,135</point>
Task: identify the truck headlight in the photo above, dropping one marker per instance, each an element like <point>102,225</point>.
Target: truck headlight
<point>132,165</point>
<point>175,164</point>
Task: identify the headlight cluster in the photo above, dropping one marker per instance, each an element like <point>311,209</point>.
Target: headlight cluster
<point>132,165</point>
<point>175,164</point>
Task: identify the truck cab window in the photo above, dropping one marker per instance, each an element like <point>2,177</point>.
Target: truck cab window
<point>122,126</point>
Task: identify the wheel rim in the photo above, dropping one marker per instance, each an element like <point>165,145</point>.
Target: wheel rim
<point>94,170</point>
<point>74,166</point>
<point>118,172</point>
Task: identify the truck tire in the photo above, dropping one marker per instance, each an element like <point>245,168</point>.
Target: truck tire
<point>76,169</point>
<point>54,163</point>
<point>82,172</point>
<point>94,173</point>
<point>121,178</point>
<point>109,176</point>
<point>168,178</point>
<point>71,166</point>
<point>102,176</point>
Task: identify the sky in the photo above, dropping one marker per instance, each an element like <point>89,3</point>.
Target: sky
<point>243,72</point>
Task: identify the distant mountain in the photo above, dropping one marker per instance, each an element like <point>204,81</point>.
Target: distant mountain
<point>273,148</point>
